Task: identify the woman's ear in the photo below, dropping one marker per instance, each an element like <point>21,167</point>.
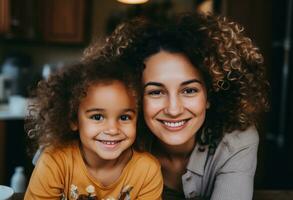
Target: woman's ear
<point>73,126</point>
<point>208,105</point>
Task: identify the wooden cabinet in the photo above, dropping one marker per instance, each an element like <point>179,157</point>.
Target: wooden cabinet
<point>64,20</point>
<point>13,149</point>
<point>2,151</point>
<point>4,16</point>
<point>52,21</point>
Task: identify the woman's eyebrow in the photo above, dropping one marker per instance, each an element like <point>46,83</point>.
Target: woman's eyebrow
<point>191,81</point>
<point>153,83</point>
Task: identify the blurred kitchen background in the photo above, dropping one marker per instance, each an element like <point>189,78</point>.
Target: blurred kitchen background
<point>40,36</point>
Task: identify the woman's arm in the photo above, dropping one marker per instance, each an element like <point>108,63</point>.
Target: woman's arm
<point>235,179</point>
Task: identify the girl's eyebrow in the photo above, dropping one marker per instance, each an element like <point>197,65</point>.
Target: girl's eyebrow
<point>95,110</point>
<point>182,84</point>
<point>129,110</point>
<point>103,110</point>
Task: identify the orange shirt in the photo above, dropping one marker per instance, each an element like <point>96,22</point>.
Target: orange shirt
<point>62,174</point>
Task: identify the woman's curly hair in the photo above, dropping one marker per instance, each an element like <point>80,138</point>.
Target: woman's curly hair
<point>232,66</point>
<point>56,100</point>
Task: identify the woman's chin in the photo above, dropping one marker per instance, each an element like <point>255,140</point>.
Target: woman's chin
<point>176,141</point>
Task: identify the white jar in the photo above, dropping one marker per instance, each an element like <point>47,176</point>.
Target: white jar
<point>18,180</point>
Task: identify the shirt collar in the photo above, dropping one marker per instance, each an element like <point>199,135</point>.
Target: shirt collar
<point>198,159</point>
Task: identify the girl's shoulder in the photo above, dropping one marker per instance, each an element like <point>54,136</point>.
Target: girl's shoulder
<point>145,159</point>
<point>64,152</point>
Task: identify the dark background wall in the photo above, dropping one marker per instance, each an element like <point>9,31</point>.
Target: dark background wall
<point>269,23</point>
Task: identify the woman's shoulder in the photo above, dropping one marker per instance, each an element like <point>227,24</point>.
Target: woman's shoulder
<point>238,139</point>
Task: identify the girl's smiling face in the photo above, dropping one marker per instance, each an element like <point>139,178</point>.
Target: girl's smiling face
<point>106,121</point>
<point>175,98</point>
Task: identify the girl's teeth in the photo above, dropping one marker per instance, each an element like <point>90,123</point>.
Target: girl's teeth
<point>174,124</point>
<point>109,142</point>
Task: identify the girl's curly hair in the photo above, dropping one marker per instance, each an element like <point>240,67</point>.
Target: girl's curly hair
<point>56,100</point>
<point>230,63</point>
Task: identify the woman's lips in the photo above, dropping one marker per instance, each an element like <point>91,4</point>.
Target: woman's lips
<point>174,125</point>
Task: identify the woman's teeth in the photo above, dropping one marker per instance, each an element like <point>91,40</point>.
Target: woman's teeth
<point>174,124</point>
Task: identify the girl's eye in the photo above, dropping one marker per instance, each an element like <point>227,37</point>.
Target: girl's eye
<point>190,91</point>
<point>125,117</point>
<point>97,117</point>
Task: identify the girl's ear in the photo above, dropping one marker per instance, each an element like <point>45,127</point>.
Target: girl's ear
<point>73,126</point>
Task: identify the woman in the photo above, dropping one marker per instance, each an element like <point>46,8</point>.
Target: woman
<point>204,91</point>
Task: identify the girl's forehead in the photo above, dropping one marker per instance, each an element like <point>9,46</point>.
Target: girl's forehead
<point>109,95</point>
<point>114,86</point>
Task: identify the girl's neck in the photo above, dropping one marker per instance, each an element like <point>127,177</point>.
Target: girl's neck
<point>106,172</point>
<point>95,162</point>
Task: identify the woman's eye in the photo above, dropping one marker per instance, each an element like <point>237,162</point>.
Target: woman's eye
<point>97,117</point>
<point>190,91</point>
<point>155,93</point>
<point>125,117</point>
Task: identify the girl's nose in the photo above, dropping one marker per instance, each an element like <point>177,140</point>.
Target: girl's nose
<point>174,106</point>
<point>112,128</point>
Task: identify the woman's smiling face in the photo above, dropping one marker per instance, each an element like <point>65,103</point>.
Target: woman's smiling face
<point>175,98</point>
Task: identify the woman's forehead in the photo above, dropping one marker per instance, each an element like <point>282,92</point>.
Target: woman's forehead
<point>165,65</point>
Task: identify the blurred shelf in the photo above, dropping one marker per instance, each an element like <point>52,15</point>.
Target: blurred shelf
<point>39,43</point>
<point>6,114</point>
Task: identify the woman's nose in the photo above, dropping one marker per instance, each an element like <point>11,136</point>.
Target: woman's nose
<point>174,106</point>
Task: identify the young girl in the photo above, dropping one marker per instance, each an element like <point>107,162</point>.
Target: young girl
<point>85,117</point>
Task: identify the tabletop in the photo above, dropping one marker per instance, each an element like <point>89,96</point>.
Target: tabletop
<point>258,195</point>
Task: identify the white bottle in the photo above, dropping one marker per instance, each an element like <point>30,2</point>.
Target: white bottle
<point>18,180</point>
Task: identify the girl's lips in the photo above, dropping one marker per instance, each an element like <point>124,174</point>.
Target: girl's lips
<point>109,144</point>
<point>109,141</point>
<point>174,125</point>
